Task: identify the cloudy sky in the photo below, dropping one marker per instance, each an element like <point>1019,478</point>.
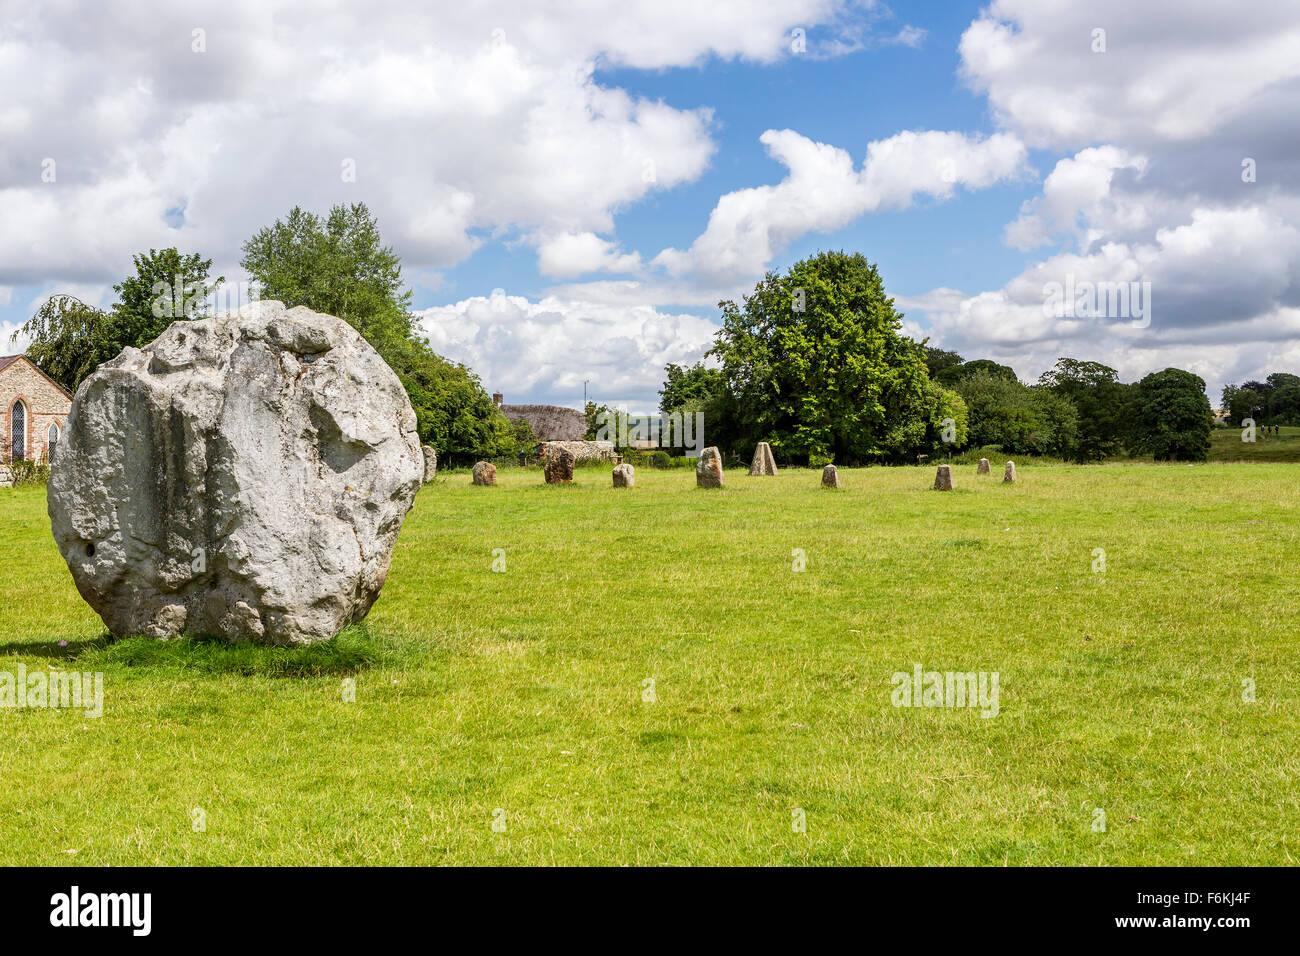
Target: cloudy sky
<point>573,185</point>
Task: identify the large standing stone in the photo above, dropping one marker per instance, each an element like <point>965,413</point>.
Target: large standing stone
<point>763,463</point>
<point>983,467</point>
<point>559,466</point>
<point>1009,474</point>
<point>624,476</point>
<point>430,464</point>
<point>243,476</point>
<point>485,473</point>
<point>943,478</point>
<point>830,477</point>
<point>708,470</point>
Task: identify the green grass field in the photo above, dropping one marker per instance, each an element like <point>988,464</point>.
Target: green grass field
<point>1226,445</point>
<point>518,696</point>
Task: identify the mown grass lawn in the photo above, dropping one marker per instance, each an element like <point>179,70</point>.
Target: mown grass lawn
<point>518,696</point>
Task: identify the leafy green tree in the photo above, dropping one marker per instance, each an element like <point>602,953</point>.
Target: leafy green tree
<point>339,265</point>
<point>1019,419</point>
<point>1002,413</point>
<point>597,417</point>
<point>1099,398</point>
<point>814,363</point>
<point>937,360</point>
<point>166,286</point>
<point>1060,420</point>
<point>935,423</point>
<point>1171,416</point>
<point>952,375</point>
<point>453,412</point>
<point>689,385</point>
<point>1285,390</point>
<point>1265,392</point>
<point>70,339</point>
<point>1243,403</point>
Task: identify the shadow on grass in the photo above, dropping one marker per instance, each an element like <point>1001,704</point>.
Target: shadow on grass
<point>55,650</point>
<point>354,649</point>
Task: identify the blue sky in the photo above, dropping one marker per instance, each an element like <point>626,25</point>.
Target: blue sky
<point>846,101</point>
<point>503,147</point>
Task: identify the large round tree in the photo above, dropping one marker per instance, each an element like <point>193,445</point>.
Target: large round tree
<point>1171,418</point>
<point>814,363</point>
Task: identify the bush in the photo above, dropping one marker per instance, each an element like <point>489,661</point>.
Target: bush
<point>661,459</point>
<point>26,472</point>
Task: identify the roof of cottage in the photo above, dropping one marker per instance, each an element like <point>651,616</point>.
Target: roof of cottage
<point>549,422</point>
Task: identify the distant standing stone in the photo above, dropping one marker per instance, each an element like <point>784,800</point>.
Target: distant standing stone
<point>943,478</point>
<point>983,467</point>
<point>485,473</point>
<point>763,463</point>
<point>830,477</point>
<point>1009,476</point>
<point>430,464</point>
<point>559,466</point>
<point>708,470</point>
<point>624,476</point>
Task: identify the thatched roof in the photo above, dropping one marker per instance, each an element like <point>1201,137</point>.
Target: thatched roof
<point>549,422</point>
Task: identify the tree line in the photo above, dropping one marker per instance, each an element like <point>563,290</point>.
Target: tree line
<point>1274,401</point>
<point>336,264</point>
<point>814,362</point>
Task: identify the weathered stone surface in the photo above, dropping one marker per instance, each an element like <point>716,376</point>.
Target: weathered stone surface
<point>624,476</point>
<point>581,450</point>
<point>243,476</point>
<point>559,466</point>
<point>830,477</point>
<point>485,473</point>
<point>763,463</point>
<point>943,478</point>
<point>430,464</point>
<point>983,467</point>
<point>1009,473</point>
<point>708,470</point>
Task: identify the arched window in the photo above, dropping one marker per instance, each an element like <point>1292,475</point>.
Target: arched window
<point>52,439</point>
<point>18,431</point>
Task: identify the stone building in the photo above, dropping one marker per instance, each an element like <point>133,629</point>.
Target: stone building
<point>35,409</point>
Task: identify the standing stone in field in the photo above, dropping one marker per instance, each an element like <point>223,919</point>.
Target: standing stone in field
<point>830,477</point>
<point>559,466</point>
<point>1009,475</point>
<point>242,476</point>
<point>624,476</point>
<point>983,467</point>
<point>763,463</point>
<point>943,478</point>
<point>708,470</point>
<point>430,464</point>
<point>485,473</point>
